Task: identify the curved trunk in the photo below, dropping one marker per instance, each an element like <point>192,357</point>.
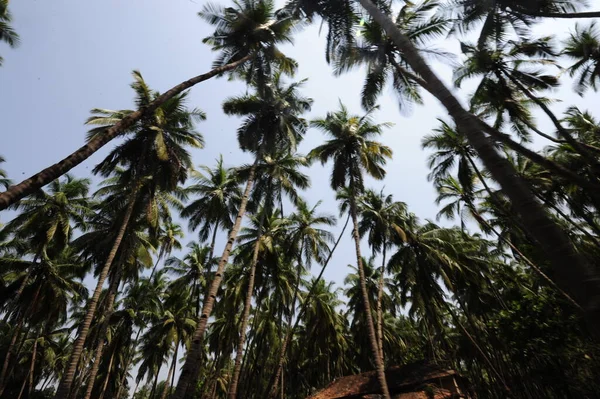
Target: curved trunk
<point>67,381</point>
<point>40,179</point>
<point>192,361</point>
<point>366,303</point>
<point>276,377</point>
<point>573,273</point>
<point>379,310</point>
<point>237,368</point>
<point>110,300</point>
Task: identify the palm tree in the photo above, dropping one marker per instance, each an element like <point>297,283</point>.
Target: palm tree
<point>583,46</point>
<point>383,60</point>
<point>219,198</point>
<point>7,34</point>
<point>381,221</point>
<point>4,180</point>
<point>353,154</point>
<point>246,35</point>
<point>272,121</point>
<point>554,241</point>
<point>157,160</point>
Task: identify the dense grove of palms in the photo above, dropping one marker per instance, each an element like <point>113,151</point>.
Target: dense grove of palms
<point>122,290</point>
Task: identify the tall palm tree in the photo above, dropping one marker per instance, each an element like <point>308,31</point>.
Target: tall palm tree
<point>219,199</point>
<point>7,33</point>
<point>272,121</point>
<point>381,221</point>
<point>247,36</point>
<point>355,154</point>
<point>156,159</point>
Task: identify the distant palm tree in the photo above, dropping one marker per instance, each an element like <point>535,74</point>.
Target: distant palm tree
<point>7,33</point>
<point>4,180</point>
<point>219,199</point>
<point>583,46</point>
<point>355,154</point>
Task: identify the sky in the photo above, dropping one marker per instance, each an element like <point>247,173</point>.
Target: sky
<point>76,55</point>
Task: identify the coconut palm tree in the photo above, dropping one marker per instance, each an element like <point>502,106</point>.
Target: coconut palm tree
<point>246,35</point>
<point>272,122</point>
<point>7,33</point>
<point>219,198</point>
<point>157,160</point>
<point>381,221</point>
<point>355,154</point>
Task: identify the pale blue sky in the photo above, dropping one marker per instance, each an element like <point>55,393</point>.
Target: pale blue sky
<point>76,55</point>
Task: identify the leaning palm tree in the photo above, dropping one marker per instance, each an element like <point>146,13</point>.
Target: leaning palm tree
<point>7,33</point>
<point>247,36</point>
<point>156,159</point>
<point>272,121</point>
<point>355,154</point>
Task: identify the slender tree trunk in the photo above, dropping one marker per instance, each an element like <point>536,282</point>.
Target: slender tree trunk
<point>137,384</point>
<point>193,358</point>
<point>29,376</point>
<point>110,300</point>
<point>365,297</point>
<point>107,378</point>
<point>171,374</point>
<point>588,14</point>
<point>379,299</point>
<point>40,179</point>
<point>237,368</point>
<point>572,271</point>
<point>290,334</point>
<point>212,242</point>
<point>65,385</point>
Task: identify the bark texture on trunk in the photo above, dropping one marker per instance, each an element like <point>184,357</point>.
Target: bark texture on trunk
<point>40,179</point>
<point>237,368</point>
<point>366,303</point>
<point>379,308</point>
<point>573,273</point>
<point>290,334</point>
<point>192,361</point>
<point>67,381</point>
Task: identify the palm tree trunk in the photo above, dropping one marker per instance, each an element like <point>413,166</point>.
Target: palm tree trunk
<point>40,179</point>
<point>171,374</point>
<point>588,14</point>
<point>379,309</point>
<point>29,376</point>
<point>155,383</point>
<point>137,384</point>
<point>365,297</point>
<point>212,242</point>
<point>191,366</point>
<point>65,385</point>
<point>110,300</point>
<point>237,368</point>
<point>290,334</point>
<point>573,273</point>
<point>107,378</point>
